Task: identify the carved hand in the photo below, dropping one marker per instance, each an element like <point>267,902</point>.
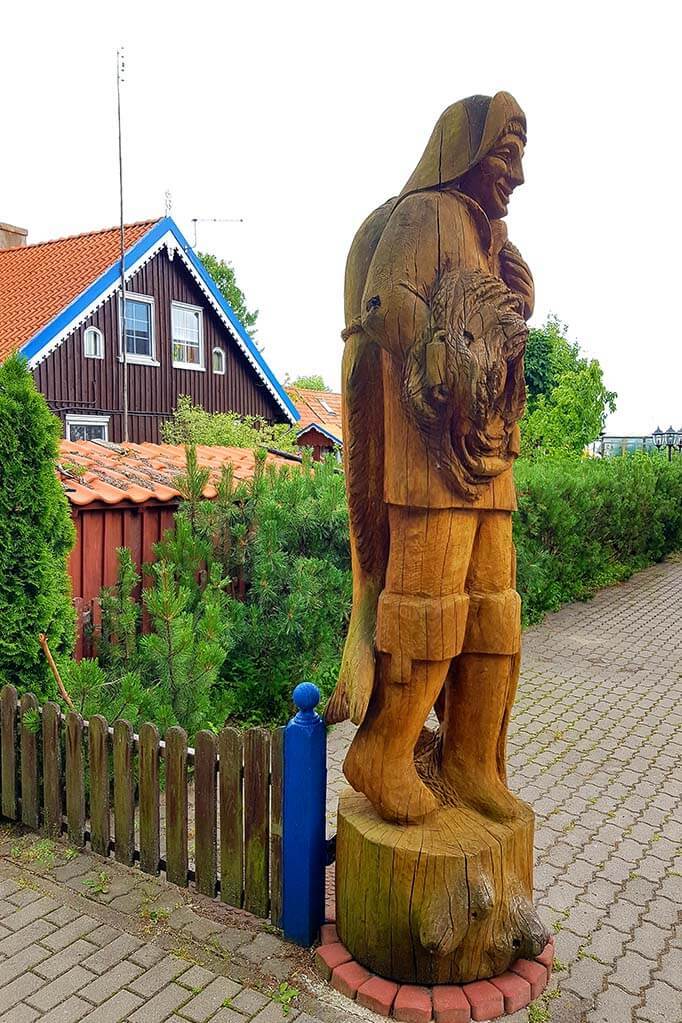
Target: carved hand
<point>516,275</point>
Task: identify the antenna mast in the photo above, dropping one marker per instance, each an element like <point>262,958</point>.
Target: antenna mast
<point>214,220</point>
<point>123,348</point>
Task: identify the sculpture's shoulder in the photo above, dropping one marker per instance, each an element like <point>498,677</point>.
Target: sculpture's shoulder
<point>461,227</point>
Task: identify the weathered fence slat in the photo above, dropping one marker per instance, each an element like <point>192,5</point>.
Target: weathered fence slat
<point>8,756</point>
<point>231,823</point>
<point>98,752</point>
<point>124,793</point>
<point>149,799</point>
<point>176,805</point>
<point>30,807</point>
<point>205,752</point>
<point>276,782</point>
<point>52,769</point>
<point>75,779</point>
<point>256,821</point>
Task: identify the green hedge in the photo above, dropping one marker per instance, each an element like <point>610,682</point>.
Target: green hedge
<point>584,523</point>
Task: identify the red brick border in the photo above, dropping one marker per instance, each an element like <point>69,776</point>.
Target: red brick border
<point>523,982</point>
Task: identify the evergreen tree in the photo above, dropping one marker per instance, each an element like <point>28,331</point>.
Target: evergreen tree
<point>36,536</point>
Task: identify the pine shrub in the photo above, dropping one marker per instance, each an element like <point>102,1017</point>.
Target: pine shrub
<point>36,536</point>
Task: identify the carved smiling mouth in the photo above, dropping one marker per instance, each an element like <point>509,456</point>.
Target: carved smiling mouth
<point>503,192</point>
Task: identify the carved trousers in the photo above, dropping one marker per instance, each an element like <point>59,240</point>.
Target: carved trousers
<point>449,587</point>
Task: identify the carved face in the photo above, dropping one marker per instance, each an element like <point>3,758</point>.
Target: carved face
<point>491,182</point>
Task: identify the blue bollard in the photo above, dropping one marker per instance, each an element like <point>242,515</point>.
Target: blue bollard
<point>304,813</point>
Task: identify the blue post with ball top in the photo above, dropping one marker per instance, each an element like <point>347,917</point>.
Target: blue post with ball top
<point>304,813</point>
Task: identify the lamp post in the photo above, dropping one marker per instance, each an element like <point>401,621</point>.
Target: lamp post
<point>670,438</point>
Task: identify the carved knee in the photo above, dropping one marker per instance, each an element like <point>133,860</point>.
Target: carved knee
<point>412,628</point>
<point>494,623</point>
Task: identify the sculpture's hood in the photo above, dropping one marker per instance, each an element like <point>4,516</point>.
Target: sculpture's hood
<point>463,134</point>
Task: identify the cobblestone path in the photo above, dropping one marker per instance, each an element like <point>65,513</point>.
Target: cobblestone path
<point>596,748</point>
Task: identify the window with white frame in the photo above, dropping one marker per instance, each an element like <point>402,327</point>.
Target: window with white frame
<point>87,427</point>
<point>93,343</point>
<point>219,361</point>
<point>139,324</point>
<point>187,335</point>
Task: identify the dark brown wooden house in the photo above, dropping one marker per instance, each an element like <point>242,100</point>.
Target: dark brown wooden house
<point>60,307</point>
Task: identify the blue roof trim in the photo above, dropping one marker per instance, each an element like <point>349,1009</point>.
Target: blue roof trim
<point>320,429</point>
<point>33,347</point>
<point>232,317</point>
<point>47,333</point>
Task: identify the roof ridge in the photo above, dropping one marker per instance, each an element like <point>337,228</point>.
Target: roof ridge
<point>81,234</point>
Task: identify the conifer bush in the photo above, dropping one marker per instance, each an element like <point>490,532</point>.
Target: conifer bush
<point>36,536</point>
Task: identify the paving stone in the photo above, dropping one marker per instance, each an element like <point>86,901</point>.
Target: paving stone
<point>23,897</point>
<point>62,916</point>
<point>21,962</point>
<point>20,1014</point>
<point>662,1004</point>
<point>202,1006</point>
<point>249,1002</point>
<point>158,1008</point>
<point>649,941</point>
<point>224,1015</point>
<point>167,969</point>
<point>70,1011</point>
<point>112,953</point>
<point>104,987</point>
<point>18,990</point>
<point>196,977</point>
<point>274,1013</point>
<point>60,962</point>
<point>57,990</point>
<point>147,955</point>
<point>102,935</point>
<point>21,917</point>
<point>612,1006</point>
<point>64,936</point>
<point>115,1009</point>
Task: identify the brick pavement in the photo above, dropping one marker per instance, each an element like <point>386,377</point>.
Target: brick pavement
<point>595,747</point>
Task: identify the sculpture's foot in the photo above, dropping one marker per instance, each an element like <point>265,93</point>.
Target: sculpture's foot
<point>390,783</point>
<point>487,795</point>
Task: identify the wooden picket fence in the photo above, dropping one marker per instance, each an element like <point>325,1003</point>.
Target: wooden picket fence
<point>63,774</point>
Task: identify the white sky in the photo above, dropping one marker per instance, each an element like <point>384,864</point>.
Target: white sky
<point>302,117</point>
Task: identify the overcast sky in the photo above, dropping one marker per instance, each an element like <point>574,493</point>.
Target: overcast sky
<point>301,118</point>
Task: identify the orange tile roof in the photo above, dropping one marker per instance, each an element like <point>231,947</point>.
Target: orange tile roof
<point>112,473</point>
<point>38,281</point>
<point>312,411</point>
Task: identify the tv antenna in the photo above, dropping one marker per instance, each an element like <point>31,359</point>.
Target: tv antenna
<point>120,78</point>
<point>214,220</point>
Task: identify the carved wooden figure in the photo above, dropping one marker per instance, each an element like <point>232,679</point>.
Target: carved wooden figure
<point>434,853</point>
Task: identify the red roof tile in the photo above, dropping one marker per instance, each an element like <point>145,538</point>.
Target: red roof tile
<point>111,473</point>
<point>311,407</point>
<point>38,281</point>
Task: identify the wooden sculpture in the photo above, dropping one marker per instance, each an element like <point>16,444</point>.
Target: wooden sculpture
<point>434,853</point>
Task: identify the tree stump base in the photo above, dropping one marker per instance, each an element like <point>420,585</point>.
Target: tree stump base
<point>445,901</point>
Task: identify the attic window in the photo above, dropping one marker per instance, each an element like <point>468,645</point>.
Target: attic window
<point>326,407</point>
<point>93,343</point>
<point>87,428</point>
<point>219,362</point>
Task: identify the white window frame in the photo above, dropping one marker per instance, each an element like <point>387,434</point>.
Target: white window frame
<point>201,365</point>
<point>131,357</point>
<point>87,421</point>
<point>221,353</point>
<point>100,343</point>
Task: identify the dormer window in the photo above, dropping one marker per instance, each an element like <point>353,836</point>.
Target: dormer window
<point>93,343</point>
<point>219,362</point>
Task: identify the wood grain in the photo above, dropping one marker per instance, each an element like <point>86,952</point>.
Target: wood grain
<point>230,754</point>
<point>205,763</point>
<point>30,803</point>
<point>176,806</point>
<point>98,757</point>
<point>8,751</point>
<point>149,799</point>
<point>75,779</point>
<point>276,822</point>
<point>256,821</point>
<point>124,793</point>
<point>52,769</point>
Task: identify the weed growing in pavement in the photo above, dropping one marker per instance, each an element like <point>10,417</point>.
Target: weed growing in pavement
<point>98,885</point>
<point>285,994</point>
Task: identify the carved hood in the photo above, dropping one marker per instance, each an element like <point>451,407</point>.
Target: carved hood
<point>463,134</point>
